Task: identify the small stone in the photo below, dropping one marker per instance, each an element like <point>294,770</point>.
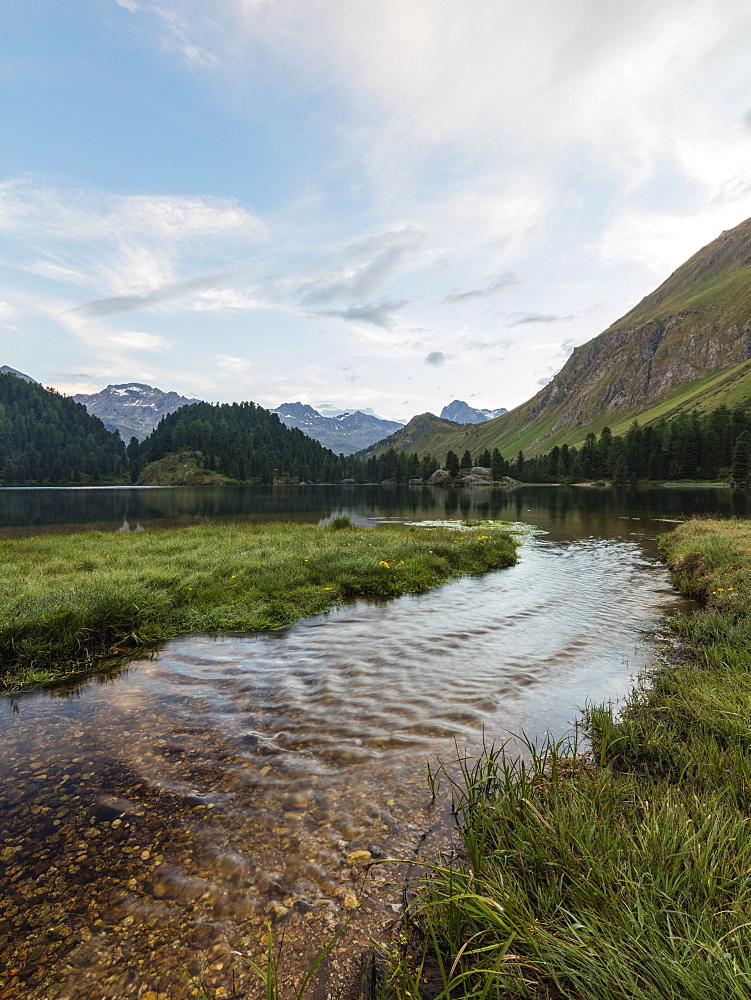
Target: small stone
<point>275,910</point>
<point>350,901</point>
<point>375,851</point>
<point>358,857</point>
<point>116,823</point>
<point>341,844</point>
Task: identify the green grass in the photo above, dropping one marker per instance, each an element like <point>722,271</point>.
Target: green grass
<point>75,602</point>
<point>626,872</point>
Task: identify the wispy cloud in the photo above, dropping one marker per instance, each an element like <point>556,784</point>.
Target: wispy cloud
<point>435,358</point>
<point>535,317</point>
<point>498,284</point>
<point>360,268</point>
<point>232,364</point>
<point>130,303</point>
<point>380,314</point>
<point>128,245</point>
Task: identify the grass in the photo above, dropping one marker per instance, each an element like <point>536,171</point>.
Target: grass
<point>76,602</point>
<point>625,871</point>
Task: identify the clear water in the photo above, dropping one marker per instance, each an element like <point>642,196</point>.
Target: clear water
<point>152,819</point>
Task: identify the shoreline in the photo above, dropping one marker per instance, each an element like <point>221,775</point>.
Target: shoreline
<point>622,870</point>
<point>78,602</point>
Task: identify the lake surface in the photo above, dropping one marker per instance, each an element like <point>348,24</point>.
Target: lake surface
<point>153,818</point>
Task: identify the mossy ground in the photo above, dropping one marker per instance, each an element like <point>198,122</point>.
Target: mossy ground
<point>71,603</point>
<point>625,872</point>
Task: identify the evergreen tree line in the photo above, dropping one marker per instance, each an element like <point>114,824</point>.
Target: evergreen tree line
<point>49,439</point>
<point>690,446</point>
<point>242,441</point>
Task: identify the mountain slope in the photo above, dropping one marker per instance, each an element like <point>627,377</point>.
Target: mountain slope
<point>132,408</point>
<point>696,323</point>
<point>690,330</point>
<point>7,370</point>
<point>239,441</point>
<point>425,433</point>
<point>345,434</point>
<point>47,439</point>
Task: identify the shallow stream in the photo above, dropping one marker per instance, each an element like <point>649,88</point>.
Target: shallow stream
<point>152,819</point>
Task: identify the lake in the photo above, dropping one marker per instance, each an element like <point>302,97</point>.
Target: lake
<point>154,817</point>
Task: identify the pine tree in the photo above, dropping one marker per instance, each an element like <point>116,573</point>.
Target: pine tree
<point>740,460</point>
<point>497,465</point>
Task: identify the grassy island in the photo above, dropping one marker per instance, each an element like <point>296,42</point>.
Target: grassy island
<point>623,872</point>
<point>74,602</point>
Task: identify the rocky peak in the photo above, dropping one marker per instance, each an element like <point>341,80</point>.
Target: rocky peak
<point>462,413</point>
<point>7,370</point>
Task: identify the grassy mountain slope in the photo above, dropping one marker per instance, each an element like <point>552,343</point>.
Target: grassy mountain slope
<point>426,432</point>
<point>686,344</point>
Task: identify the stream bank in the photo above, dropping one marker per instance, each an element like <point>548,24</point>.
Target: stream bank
<point>237,764</point>
<point>623,872</point>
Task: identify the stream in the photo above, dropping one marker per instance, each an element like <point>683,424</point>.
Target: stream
<point>155,818</point>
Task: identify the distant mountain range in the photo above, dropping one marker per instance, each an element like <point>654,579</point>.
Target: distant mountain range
<point>345,433</point>
<point>132,408</point>
<point>462,413</point>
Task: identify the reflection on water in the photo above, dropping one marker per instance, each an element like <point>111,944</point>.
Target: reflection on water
<point>31,511</point>
<point>152,820</point>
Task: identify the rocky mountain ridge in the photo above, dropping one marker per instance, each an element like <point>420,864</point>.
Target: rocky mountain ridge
<point>462,413</point>
<point>345,433</point>
<point>132,408</point>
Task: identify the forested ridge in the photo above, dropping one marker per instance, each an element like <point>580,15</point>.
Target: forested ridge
<point>692,446</point>
<point>49,439</point>
<point>242,441</point>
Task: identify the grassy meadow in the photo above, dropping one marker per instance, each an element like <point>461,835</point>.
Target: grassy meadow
<point>623,872</point>
<point>74,602</point>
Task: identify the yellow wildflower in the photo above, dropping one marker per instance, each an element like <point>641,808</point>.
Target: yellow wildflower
<point>328,588</point>
<point>383,563</point>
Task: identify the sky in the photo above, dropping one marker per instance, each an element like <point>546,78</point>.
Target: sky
<point>357,205</point>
